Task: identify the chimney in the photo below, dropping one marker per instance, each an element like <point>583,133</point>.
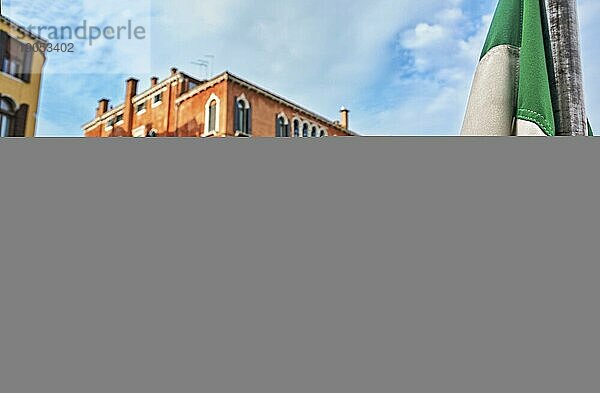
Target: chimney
<point>174,71</point>
<point>185,86</point>
<point>102,107</point>
<point>345,117</point>
<point>153,81</point>
<point>131,88</point>
<point>130,92</point>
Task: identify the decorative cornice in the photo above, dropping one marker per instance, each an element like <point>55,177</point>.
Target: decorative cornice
<point>202,87</point>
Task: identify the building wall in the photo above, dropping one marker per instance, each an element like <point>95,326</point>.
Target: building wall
<point>265,111</point>
<point>155,117</point>
<point>95,132</point>
<point>19,91</point>
<point>159,118</point>
<point>192,113</point>
<point>185,115</point>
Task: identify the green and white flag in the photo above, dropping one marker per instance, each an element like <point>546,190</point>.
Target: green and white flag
<point>511,92</point>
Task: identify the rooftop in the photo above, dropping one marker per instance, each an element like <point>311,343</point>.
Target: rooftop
<point>206,84</point>
<point>21,29</point>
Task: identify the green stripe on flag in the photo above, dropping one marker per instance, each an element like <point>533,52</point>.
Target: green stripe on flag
<point>590,132</point>
<point>504,29</point>
<point>535,100</point>
<point>523,24</point>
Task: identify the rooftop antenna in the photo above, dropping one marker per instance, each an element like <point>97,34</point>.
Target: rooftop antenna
<point>202,64</point>
<point>211,61</point>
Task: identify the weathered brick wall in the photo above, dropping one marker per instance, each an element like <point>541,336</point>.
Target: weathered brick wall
<point>155,118</point>
<point>191,118</point>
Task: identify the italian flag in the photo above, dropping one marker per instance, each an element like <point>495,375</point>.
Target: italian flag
<point>512,89</point>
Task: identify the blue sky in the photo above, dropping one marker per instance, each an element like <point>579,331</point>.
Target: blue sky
<point>402,67</point>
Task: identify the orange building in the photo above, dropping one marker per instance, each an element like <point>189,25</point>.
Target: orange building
<point>225,106</point>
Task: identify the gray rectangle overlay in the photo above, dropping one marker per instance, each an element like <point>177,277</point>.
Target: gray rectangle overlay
<point>340,265</point>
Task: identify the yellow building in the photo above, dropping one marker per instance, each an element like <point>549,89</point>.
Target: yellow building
<point>21,65</point>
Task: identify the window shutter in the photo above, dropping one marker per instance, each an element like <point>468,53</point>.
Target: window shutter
<point>249,120</point>
<point>28,57</point>
<point>236,117</point>
<point>287,130</point>
<point>3,47</point>
<point>20,121</point>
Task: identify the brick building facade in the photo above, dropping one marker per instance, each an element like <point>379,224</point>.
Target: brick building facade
<point>225,106</point>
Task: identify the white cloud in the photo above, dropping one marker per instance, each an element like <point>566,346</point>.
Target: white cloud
<point>432,87</point>
<point>325,54</point>
<point>424,36</point>
<point>320,54</point>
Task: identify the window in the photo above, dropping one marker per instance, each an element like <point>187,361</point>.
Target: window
<point>305,131</point>
<point>296,128</point>
<point>7,116</point>
<point>139,132</point>
<point>15,58</point>
<point>322,133</point>
<point>212,111</point>
<point>243,116</point>
<point>314,132</point>
<point>157,99</point>
<point>110,123</point>
<point>141,108</point>
<point>119,119</point>
<point>282,126</point>
<point>212,116</point>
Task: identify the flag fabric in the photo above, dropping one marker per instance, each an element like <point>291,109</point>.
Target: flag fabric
<point>590,132</point>
<point>512,88</point>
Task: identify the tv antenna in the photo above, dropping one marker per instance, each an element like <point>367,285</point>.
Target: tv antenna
<point>202,64</point>
<point>211,61</point>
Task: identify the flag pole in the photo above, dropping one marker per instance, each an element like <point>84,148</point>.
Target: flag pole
<point>569,101</point>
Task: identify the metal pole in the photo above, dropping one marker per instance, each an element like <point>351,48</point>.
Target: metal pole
<point>569,101</point>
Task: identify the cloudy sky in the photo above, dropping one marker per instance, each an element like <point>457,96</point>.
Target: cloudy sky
<point>402,67</point>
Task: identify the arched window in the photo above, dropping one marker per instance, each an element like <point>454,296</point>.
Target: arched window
<point>296,128</point>
<point>211,115</point>
<point>243,116</point>
<point>322,133</point>
<point>305,130</point>
<point>7,116</point>
<point>314,132</point>
<point>282,126</point>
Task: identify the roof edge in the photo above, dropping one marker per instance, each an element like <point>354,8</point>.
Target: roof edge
<point>22,29</point>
